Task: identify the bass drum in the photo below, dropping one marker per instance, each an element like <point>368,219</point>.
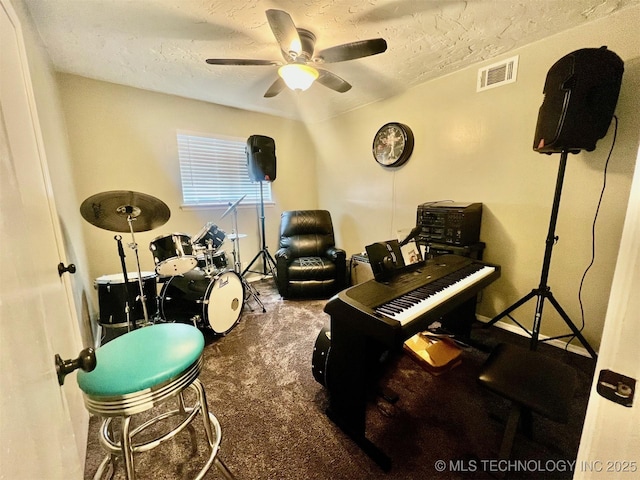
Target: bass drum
<point>195,298</point>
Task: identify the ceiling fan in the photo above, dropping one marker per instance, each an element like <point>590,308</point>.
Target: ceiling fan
<point>301,67</point>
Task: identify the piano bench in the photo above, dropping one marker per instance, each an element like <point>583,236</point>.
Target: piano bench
<point>532,382</point>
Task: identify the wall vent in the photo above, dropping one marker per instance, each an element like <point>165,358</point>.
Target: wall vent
<point>498,74</point>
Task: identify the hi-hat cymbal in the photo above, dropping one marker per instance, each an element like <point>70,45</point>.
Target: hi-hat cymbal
<point>232,206</point>
<point>111,211</point>
<point>233,236</point>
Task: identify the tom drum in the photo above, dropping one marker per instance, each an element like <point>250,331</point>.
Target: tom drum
<point>210,234</point>
<point>213,263</point>
<point>173,254</point>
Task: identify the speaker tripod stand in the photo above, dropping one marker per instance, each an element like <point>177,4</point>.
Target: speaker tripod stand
<point>268,263</point>
<point>543,292</point>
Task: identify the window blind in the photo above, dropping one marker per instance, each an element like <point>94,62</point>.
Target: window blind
<point>214,171</point>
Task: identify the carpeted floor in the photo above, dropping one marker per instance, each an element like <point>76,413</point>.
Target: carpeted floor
<point>260,386</point>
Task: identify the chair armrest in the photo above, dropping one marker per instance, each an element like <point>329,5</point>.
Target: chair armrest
<point>339,257</point>
<point>283,253</point>
<point>336,254</point>
<point>283,259</point>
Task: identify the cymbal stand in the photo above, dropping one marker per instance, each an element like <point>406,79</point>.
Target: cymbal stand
<point>237,265</point>
<point>235,241</point>
<point>134,246</point>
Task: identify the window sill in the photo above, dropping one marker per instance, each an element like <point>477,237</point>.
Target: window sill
<point>223,206</point>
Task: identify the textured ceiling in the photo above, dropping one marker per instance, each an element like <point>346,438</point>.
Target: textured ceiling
<point>161,45</point>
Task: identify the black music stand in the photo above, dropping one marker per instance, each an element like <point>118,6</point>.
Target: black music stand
<point>267,259</point>
<point>543,291</point>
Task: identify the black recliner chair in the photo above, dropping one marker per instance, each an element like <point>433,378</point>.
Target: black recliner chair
<point>308,264</point>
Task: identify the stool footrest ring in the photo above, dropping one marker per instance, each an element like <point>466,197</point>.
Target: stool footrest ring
<point>211,425</point>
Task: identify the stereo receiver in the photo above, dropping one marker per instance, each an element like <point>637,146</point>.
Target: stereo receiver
<point>451,223</point>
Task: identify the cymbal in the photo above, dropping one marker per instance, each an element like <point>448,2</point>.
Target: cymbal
<point>111,210</point>
<point>232,206</point>
<point>233,236</point>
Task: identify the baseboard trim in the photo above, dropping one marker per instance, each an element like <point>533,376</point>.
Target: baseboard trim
<point>518,331</point>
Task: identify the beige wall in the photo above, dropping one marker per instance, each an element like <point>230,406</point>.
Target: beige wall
<point>125,139</point>
<point>478,147</point>
<point>469,147</point>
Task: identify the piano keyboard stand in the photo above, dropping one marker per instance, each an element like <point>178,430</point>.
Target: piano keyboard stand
<point>373,319</point>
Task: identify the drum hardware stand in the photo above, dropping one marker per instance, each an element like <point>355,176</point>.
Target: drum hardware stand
<point>268,263</point>
<point>253,293</point>
<point>127,311</point>
<point>111,210</point>
<point>235,236</point>
<point>544,291</point>
<point>237,265</point>
<point>131,211</point>
<point>208,258</point>
<point>235,243</point>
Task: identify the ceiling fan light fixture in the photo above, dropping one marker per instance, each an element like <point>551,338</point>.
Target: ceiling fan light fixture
<point>298,76</point>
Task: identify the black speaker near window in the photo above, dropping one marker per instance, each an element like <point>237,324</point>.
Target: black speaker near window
<point>580,96</point>
<point>261,158</point>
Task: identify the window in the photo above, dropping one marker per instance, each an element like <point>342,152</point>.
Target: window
<point>214,171</point>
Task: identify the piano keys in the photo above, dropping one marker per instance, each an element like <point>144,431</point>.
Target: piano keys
<point>371,318</point>
<point>409,306</point>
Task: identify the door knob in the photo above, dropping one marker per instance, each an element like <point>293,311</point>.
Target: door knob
<point>86,361</point>
<point>61,268</point>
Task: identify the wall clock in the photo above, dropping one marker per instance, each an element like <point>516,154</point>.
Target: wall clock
<point>393,144</point>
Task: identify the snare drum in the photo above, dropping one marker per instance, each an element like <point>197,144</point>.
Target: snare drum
<point>173,254</point>
<point>209,234</point>
<point>112,298</point>
<point>194,298</point>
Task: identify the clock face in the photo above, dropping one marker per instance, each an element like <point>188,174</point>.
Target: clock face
<point>393,144</point>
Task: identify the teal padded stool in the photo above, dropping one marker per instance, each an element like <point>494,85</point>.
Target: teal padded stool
<point>140,370</point>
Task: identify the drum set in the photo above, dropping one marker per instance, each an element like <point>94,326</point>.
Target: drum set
<point>198,284</point>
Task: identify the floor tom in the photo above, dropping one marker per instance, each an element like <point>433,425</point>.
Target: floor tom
<point>112,298</point>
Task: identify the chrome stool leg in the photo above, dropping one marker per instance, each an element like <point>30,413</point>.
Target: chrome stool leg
<point>210,424</point>
<point>127,448</point>
<point>113,392</point>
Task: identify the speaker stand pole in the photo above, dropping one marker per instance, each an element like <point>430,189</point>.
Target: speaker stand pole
<point>543,291</point>
<point>268,263</point>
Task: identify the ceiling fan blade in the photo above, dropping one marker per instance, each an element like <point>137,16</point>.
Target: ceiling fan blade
<point>353,50</point>
<point>275,88</point>
<point>285,32</point>
<point>240,61</point>
<point>333,81</point>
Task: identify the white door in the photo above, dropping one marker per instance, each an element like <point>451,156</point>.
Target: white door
<point>43,426</point>
<point>610,441</point>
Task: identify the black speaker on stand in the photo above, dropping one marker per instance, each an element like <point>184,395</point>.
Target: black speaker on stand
<point>261,161</point>
<point>580,96</point>
<point>581,92</point>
